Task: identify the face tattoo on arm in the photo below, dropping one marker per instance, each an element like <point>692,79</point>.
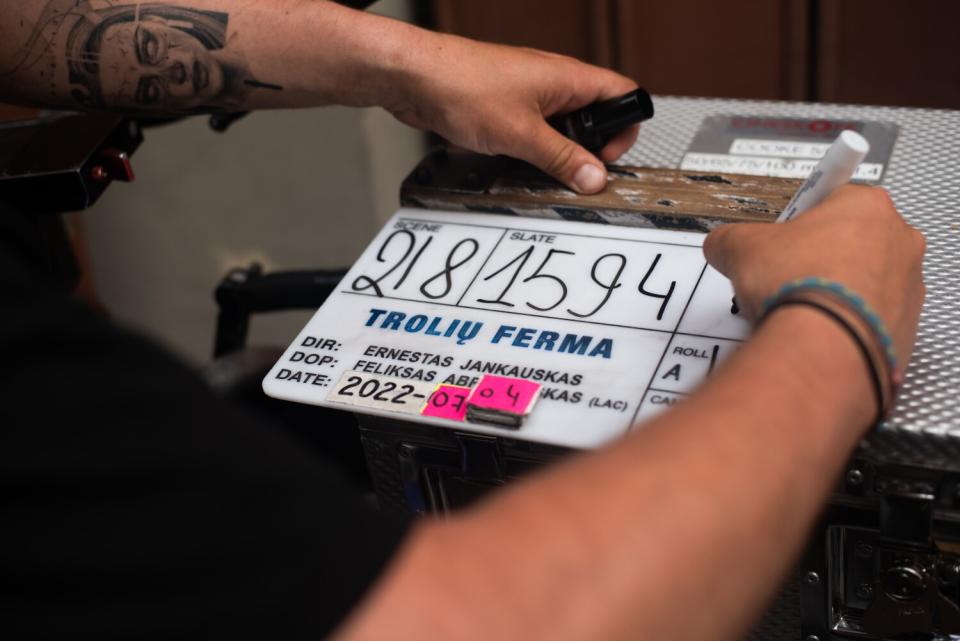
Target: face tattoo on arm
<point>138,57</point>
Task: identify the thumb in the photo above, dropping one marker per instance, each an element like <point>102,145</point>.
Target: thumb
<point>563,159</point>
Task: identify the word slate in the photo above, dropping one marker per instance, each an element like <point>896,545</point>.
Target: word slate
<point>612,324</point>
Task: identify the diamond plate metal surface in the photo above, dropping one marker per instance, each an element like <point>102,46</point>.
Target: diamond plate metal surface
<point>923,178</point>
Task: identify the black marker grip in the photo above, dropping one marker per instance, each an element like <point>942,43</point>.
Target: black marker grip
<point>595,125</point>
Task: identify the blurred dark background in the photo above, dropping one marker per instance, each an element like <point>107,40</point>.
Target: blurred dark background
<point>884,52</point>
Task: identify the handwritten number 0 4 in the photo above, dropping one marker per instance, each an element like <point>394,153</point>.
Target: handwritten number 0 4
<point>511,393</point>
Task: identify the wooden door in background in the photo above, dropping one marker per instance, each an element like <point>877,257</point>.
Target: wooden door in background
<point>578,28</point>
<point>741,49</point>
<point>886,52</point>
<point>745,49</point>
<point>889,52</point>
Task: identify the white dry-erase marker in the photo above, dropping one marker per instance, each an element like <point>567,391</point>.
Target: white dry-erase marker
<point>836,168</point>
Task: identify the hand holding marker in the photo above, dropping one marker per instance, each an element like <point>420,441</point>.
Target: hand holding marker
<point>595,125</point>
<point>836,168</point>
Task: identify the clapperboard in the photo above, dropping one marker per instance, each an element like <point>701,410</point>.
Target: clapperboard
<point>564,331</point>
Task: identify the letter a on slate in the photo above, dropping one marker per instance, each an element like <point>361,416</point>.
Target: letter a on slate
<point>673,373</point>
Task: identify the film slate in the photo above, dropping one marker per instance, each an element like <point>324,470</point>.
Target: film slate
<point>556,332</point>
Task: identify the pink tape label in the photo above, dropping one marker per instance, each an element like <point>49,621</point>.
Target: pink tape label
<point>447,401</point>
<point>513,395</point>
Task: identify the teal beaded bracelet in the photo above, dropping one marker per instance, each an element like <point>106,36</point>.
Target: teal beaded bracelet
<point>851,300</point>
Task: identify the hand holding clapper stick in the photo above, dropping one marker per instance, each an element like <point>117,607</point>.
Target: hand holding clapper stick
<point>836,168</point>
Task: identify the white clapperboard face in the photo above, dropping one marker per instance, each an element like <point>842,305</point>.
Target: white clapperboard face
<point>613,323</point>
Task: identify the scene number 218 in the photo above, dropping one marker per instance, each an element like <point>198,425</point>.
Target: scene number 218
<point>437,285</point>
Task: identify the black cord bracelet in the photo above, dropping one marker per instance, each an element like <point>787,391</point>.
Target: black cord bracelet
<point>875,377</point>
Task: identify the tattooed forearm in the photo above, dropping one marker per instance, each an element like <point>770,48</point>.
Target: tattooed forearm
<point>134,57</point>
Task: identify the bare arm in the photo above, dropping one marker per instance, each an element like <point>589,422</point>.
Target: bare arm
<point>198,55</point>
<point>186,56</point>
<point>684,529</point>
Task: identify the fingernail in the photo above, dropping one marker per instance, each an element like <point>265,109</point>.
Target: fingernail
<point>589,179</point>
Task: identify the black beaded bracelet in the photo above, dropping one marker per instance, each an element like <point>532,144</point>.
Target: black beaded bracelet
<point>876,377</point>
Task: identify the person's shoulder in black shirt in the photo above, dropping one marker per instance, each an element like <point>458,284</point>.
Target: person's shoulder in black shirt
<point>136,504</point>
